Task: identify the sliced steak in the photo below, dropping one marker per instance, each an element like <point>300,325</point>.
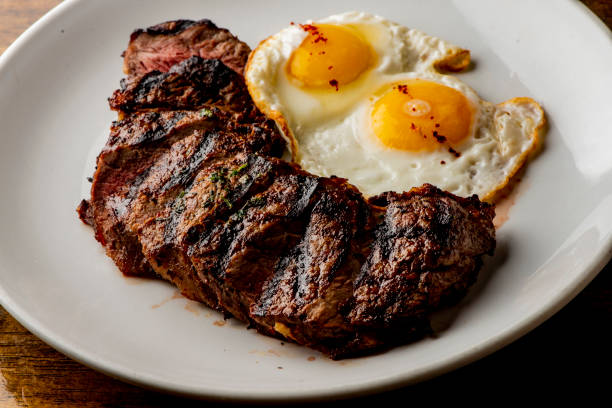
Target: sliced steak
<point>238,253</point>
<point>172,183</point>
<point>191,84</point>
<point>312,281</point>
<point>135,144</point>
<point>363,279</point>
<point>159,47</point>
<point>426,251</point>
<point>189,188</point>
<point>138,150</point>
<point>158,110</point>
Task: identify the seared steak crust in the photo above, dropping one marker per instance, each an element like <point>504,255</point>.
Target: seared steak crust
<point>189,188</point>
<point>425,250</point>
<point>159,47</point>
<point>134,145</point>
<point>191,84</point>
<point>84,211</point>
<point>137,149</point>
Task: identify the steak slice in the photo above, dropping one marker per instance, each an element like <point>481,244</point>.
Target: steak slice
<point>364,279</point>
<point>159,47</point>
<point>426,252</point>
<point>172,183</point>
<point>237,254</point>
<point>138,150</point>
<point>133,147</point>
<point>193,83</point>
<point>312,282</point>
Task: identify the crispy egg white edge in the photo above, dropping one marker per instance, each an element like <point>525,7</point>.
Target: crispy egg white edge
<point>536,136</point>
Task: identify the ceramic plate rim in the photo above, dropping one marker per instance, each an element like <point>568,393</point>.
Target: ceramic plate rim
<point>503,338</point>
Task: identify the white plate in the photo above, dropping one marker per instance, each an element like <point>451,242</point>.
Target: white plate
<point>56,280</point>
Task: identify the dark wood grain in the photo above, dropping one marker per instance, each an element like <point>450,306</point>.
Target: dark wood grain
<point>570,353</point>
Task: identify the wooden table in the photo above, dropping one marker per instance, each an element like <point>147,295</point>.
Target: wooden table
<point>570,352</point>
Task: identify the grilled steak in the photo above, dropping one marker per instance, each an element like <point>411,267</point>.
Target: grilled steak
<point>190,188</point>
<point>364,277</point>
<point>137,148</point>
<point>190,84</point>
<point>159,47</point>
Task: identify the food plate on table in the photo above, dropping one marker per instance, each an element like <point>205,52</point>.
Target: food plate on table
<point>57,281</point>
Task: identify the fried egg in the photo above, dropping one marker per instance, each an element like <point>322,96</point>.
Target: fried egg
<point>361,97</point>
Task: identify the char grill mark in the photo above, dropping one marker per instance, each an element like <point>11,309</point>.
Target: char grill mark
<point>273,224</point>
<point>423,254</point>
<point>239,252</point>
<point>204,170</point>
<point>191,84</point>
<point>308,268</point>
<point>312,281</point>
<point>186,169</point>
<point>159,47</point>
<point>134,146</point>
<point>189,189</point>
<point>143,128</point>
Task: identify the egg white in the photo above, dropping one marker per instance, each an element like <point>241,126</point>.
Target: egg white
<point>502,137</point>
<point>329,133</point>
<point>397,48</point>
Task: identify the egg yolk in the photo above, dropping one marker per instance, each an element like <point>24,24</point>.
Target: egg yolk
<point>421,115</point>
<point>329,57</point>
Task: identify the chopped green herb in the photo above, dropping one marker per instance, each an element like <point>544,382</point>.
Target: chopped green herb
<point>227,202</point>
<point>206,113</point>
<point>219,177</point>
<point>179,206</point>
<point>209,201</point>
<point>257,201</point>
<point>237,171</point>
<point>179,203</point>
<point>253,202</point>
